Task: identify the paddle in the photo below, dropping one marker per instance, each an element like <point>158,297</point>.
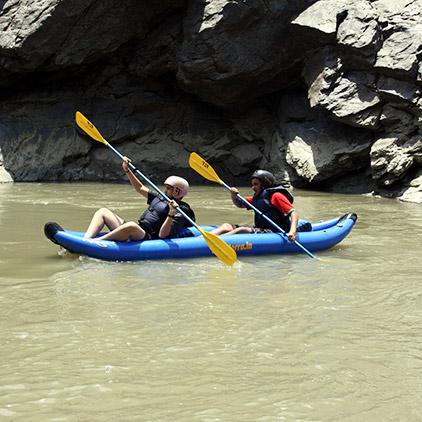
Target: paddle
<point>205,170</point>
<point>220,248</point>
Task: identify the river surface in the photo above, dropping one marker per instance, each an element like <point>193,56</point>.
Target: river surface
<point>274,338</point>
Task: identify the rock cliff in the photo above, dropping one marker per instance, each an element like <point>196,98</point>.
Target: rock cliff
<point>325,94</point>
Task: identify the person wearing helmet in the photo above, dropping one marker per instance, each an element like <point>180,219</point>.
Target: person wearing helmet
<point>274,202</point>
<point>160,220</point>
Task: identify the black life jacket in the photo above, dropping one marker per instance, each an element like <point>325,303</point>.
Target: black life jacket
<point>153,217</point>
<point>262,202</point>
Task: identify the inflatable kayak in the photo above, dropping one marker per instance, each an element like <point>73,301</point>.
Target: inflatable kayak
<point>323,235</point>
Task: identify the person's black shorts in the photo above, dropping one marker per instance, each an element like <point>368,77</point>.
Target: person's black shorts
<point>148,236</point>
<point>253,228</point>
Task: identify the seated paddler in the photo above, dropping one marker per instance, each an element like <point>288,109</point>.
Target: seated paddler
<point>276,202</point>
<point>161,220</point>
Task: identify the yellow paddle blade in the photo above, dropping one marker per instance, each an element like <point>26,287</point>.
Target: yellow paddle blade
<point>89,128</point>
<point>203,168</point>
<point>218,247</point>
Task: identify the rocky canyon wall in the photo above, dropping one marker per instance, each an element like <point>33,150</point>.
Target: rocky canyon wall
<point>325,94</point>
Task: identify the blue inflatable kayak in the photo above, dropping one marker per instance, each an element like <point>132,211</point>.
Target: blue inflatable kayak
<point>324,235</point>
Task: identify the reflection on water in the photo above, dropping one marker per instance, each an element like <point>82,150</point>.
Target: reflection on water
<point>270,338</point>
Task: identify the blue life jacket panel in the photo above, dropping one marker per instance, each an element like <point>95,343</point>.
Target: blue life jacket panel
<point>262,202</point>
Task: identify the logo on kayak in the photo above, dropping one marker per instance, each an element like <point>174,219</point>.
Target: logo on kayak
<point>242,246</point>
<point>96,242</point>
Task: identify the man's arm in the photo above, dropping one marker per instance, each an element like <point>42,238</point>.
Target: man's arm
<point>294,218</point>
<point>285,206</point>
<point>236,201</point>
<point>135,182</point>
<point>168,225</point>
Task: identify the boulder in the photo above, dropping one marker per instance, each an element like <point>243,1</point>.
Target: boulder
<point>412,191</point>
<point>324,93</point>
<point>321,155</point>
<point>4,175</point>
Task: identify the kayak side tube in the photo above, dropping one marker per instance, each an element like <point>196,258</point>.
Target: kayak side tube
<point>324,235</point>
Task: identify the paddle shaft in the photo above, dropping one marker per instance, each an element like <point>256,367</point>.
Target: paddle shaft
<point>267,218</point>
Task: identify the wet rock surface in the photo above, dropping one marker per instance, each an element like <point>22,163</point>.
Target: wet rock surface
<point>325,94</point>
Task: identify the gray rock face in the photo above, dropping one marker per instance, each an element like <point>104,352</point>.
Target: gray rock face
<point>323,93</point>
<point>4,175</point>
<point>370,78</point>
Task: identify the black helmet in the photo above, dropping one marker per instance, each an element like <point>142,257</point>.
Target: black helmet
<point>267,179</point>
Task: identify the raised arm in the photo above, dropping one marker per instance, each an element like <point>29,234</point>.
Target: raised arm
<point>235,199</point>
<point>135,182</point>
